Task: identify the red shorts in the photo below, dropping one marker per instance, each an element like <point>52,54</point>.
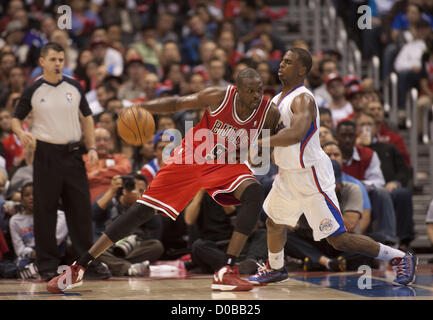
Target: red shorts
<point>175,185</point>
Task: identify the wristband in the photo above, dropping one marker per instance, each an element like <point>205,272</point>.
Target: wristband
<point>93,148</point>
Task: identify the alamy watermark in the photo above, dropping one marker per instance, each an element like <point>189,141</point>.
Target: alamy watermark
<point>364,21</point>
<point>65,19</point>
<point>364,281</point>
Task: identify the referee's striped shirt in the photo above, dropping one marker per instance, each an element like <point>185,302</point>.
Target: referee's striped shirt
<point>56,110</point>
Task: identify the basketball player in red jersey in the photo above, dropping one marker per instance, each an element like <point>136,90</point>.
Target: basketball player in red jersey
<point>200,162</point>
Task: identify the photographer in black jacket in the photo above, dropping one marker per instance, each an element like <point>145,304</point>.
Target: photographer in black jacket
<point>132,255</point>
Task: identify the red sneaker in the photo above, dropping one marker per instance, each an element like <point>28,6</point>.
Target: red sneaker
<point>228,279</point>
<point>67,280</point>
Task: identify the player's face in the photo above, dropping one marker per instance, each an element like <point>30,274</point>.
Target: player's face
<point>289,67</point>
<point>251,92</point>
<point>53,62</point>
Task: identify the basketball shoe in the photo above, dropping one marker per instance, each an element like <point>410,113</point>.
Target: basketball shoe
<point>265,274</point>
<point>405,269</point>
<point>61,283</point>
<point>228,279</point>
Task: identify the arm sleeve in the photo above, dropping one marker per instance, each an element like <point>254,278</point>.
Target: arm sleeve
<point>373,175</point>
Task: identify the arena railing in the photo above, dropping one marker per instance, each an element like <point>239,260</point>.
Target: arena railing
<point>373,72</point>
<point>412,124</point>
<point>390,98</point>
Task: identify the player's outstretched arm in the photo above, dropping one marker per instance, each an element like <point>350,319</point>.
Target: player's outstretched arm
<point>210,97</point>
<point>304,112</point>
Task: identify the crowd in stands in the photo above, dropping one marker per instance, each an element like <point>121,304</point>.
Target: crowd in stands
<point>128,51</point>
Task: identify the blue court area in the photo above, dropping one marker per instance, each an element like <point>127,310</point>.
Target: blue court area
<point>380,288</point>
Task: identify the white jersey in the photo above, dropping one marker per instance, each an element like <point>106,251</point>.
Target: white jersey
<point>307,152</point>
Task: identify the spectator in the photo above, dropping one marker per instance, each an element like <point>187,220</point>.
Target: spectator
<point>145,246</point>
<point>339,106</point>
<point>245,23</point>
<point>108,166</point>
<point>216,74</point>
<point>83,22</point>
<point>363,164</point>
<point>22,233</point>
<point>334,153</point>
<point>269,86</point>
<point>174,78</point>
<point>150,84</point>
<point>114,106</point>
<point>408,61</point>
<point>211,226</point>
<point>14,36</point>
<point>396,175</point>
<point>133,88</point>
<point>10,9</point>
<point>383,133</point>
<point>326,67</point>
<point>7,62</point>
<point>325,135</point>
<point>425,99</point>
<point>165,28</point>
<point>160,142</point>
<point>165,122</point>
<point>326,118</point>
<point>170,53</point>
<point>149,48</point>
<point>207,50</point>
<point>104,92</point>
<point>16,83</point>
<point>355,96</point>
<point>191,43</point>
<point>103,54</point>
<point>227,41</point>
<point>142,155</point>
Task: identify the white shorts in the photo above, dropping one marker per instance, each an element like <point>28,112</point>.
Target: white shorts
<point>310,191</point>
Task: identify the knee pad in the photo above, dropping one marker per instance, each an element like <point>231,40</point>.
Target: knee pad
<point>248,215</point>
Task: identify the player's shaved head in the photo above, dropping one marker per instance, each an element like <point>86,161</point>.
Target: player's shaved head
<point>248,73</point>
<point>304,57</point>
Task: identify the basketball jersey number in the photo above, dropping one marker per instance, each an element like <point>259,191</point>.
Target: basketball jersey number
<point>216,153</point>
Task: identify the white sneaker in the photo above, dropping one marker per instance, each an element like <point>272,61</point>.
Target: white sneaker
<point>139,269</point>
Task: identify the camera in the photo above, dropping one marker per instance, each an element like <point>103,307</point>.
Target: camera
<point>124,247</point>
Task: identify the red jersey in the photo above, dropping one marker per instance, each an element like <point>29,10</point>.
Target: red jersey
<point>221,133</point>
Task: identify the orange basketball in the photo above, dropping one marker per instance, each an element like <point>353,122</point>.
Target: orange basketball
<point>135,125</point>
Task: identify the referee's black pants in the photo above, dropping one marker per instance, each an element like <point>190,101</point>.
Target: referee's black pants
<point>59,173</point>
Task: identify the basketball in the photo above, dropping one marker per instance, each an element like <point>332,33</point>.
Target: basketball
<point>135,125</point>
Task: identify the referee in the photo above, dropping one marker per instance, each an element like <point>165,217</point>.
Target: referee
<point>61,115</point>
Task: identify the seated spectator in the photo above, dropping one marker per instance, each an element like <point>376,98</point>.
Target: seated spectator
<point>23,238</point>
<point>396,175</point>
<point>150,84</point>
<point>104,92</point>
<point>408,61</point>
<point>132,255</point>
<point>320,254</point>
<point>334,153</point>
<point>142,155</point>
<point>211,226</point>
<point>109,165</point>
<point>15,86</point>
<point>114,106</point>
<point>24,174</point>
<point>161,140</point>
<point>165,122</point>
<point>165,24</point>
<point>355,96</point>
<point>383,133</point>
<point>363,164</point>
<point>207,50</point>
<point>216,73</point>
<point>227,41</point>
<point>105,55</point>
<point>326,118</point>
<point>326,67</point>
<point>325,135</point>
<point>339,106</point>
<point>133,88</point>
<point>190,47</point>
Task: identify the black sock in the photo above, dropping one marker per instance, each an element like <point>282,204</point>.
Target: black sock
<point>230,260</point>
<point>85,259</point>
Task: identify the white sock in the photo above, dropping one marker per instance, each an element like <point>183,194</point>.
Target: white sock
<point>276,260</point>
<point>387,253</point>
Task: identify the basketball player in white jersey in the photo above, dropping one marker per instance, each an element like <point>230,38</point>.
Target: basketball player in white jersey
<point>306,183</point>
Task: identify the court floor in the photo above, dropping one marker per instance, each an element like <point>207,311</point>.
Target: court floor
<point>181,286</point>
